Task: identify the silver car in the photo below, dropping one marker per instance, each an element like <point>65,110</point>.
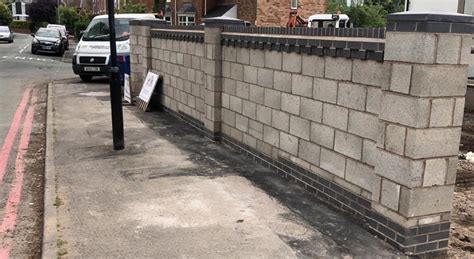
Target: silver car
<point>6,34</point>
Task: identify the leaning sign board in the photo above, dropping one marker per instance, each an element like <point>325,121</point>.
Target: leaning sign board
<point>147,90</point>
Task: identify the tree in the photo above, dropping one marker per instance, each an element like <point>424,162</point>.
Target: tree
<point>368,14</point>
<point>159,5</point>
<point>42,11</point>
<point>132,8</point>
<point>68,16</point>
<point>5,15</point>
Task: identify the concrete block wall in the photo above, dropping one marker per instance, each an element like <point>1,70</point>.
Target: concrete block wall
<point>371,125</point>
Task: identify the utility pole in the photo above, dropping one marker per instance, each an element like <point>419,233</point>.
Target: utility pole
<point>114,79</point>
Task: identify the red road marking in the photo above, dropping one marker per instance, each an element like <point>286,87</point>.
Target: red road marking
<point>12,132</point>
<point>11,209</point>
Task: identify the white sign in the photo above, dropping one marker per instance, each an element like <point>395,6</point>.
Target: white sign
<point>148,87</point>
<point>126,89</point>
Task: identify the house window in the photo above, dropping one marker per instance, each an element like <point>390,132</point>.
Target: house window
<point>186,19</point>
<point>294,4</point>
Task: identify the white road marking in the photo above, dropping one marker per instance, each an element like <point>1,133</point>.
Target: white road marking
<point>23,49</point>
<point>30,59</point>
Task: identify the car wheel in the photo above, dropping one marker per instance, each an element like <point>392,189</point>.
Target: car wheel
<point>33,50</point>
<point>86,78</point>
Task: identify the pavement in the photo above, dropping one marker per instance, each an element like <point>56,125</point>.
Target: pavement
<point>172,193</point>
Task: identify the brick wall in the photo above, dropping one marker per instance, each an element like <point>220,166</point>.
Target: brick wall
<point>276,12</point>
<point>370,122</point>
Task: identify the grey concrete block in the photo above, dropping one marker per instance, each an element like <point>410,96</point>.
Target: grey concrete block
<point>409,111</point>
<point>401,170</point>
<point>452,170</point>
<point>249,109</point>
<point>441,112</point>
<point>311,109</point>
<point>338,68</point>
<point>363,175</point>
<point>243,56</point>
<point>300,127</point>
<point>325,90</point>
<point>289,143</point>
<point>313,65</point>
<point>256,129</point>
<point>250,141</point>
<point>230,53</point>
<point>322,135</point>
<point>348,144</point>
<point>352,96</point>
<point>292,62</point>
<point>335,116</point>
<point>281,120</point>
<point>271,136</point>
<point>228,117</point>
<point>264,114</point>
<point>282,81</point>
<point>302,85</point>
<point>243,90</point>
<point>400,78</point>
<point>230,86</point>
<point>374,98</point>
<point>241,123</point>
<point>458,111</point>
<point>425,201</point>
<point>432,81</point>
<point>250,74</point>
<point>369,72</point>
<point>369,152</point>
<point>265,77</point>
<point>272,98</point>
<point>395,138</point>
<point>466,50</point>
<point>236,71</point>
<point>333,162</point>
<point>236,104</point>
<point>448,50</point>
<point>290,103</point>
<point>256,94</point>
<point>390,195</point>
<point>435,172</point>
<point>273,59</point>
<point>257,58</point>
<point>411,47</point>
<point>364,124</point>
<point>309,152</point>
<point>436,142</point>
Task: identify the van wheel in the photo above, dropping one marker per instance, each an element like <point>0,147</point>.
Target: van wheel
<point>86,78</point>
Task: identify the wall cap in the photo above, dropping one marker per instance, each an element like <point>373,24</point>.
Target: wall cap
<point>430,22</point>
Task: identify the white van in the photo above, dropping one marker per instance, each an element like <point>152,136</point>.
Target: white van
<point>91,57</point>
<point>329,21</point>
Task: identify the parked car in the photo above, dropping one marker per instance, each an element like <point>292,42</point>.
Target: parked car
<point>48,40</point>
<point>6,34</point>
<point>92,54</point>
<point>63,30</point>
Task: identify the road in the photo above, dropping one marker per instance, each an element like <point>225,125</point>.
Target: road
<point>23,86</point>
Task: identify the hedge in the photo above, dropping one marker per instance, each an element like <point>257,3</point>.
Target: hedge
<point>20,25</point>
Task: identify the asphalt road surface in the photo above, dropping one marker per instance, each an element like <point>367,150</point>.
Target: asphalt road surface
<point>23,86</point>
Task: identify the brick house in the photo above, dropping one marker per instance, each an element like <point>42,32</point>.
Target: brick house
<point>257,12</point>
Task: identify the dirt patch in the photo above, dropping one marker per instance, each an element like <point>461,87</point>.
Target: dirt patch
<point>28,233</point>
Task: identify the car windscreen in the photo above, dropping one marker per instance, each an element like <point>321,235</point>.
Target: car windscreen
<point>48,33</point>
<point>98,30</point>
<point>4,29</point>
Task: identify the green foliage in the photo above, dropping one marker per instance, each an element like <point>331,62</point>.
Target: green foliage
<point>68,16</point>
<point>132,8</point>
<point>20,25</point>
<point>81,24</point>
<point>370,14</point>
<point>5,15</point>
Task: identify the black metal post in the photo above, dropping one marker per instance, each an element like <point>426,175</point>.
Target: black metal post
<point>115,91</point>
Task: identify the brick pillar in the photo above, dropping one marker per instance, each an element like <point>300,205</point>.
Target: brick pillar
<point>422,113</point>
<point>213,83</point>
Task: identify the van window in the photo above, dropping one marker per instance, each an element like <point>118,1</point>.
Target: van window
<point>98,30</point>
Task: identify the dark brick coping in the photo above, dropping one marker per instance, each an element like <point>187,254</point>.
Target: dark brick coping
<point>378,33</point>
<point>329,46</point>
<point>194,36</point>
<point>435,23</point>
<point>430,240</point>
